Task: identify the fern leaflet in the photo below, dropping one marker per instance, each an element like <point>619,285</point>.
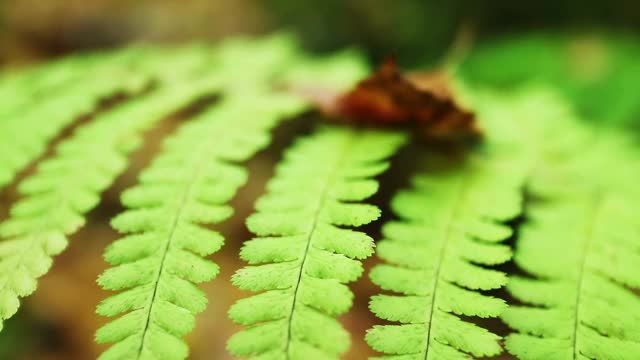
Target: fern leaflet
<point>303,256</point>
<point>187,185</point>
<point>582,255</point>
<point>451,225</point>
<point>24,134</point>
<point>578,245</point>
<point>69,184</point>
<point>26,87</point>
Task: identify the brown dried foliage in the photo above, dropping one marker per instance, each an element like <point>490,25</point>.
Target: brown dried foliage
<point>422,99</point>
<point>389,99</point>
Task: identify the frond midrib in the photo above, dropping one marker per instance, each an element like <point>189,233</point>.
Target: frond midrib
<point>594,215</point>
<point>316,216</point>
<point>448,231</point>
<point>200,165</point>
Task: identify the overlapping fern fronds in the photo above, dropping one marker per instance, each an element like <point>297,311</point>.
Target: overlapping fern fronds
<point>23,88</point>
<point>68,185</point>
<point>578,244</point>
<point>187,185</point>
<point>40,104</point>
<point>304,255</point>
<point>537,126</point>
<point>582,253</point>
<point>452,222</point>
<point>64,93</point>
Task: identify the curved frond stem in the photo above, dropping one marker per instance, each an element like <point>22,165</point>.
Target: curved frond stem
<point>593,222</point>
<point>186,195</point>
<point>458,203</point>
<point>342,149</point>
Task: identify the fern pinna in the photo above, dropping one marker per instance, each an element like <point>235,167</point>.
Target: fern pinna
<point>187,185</point>
<point>304,255</point>
<point>24,134</point>
<point>68,185</point>
<point>28,88</point>
<point>583,258</point>
<point>451,224</point>
<point>578,245</point>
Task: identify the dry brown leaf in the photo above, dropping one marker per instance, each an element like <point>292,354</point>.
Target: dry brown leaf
<point>387,98</point>
<point>423,99</point>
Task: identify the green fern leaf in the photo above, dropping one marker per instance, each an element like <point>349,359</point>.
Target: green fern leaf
<point>554,143</point>
<point>303,256</point>
<point>19,89</point>
<point>578,243</point>
<point>187,185</point>
<point>24,134</point>
<point>69,184</point>
<point>583,256</point>
<point>589,313</point>
<point>22,88</point>
<point>451,225</point>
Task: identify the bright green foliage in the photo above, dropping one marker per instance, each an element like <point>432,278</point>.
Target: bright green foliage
<point>597,72</point>
<point>27,87</point>
<point>539,129</point>
<point>188,184</point>
<point>38,105</point>
<point>69,184</point>
<point>451,224</point>
<point>579,238</point>
<point>304,255</point>
<point>577,246</point>
<point>583,254</point>
<point>26,125</point>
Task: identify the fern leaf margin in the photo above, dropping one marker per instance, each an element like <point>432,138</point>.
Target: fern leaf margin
<point>187,186</point>
<point>68,185</point>
<point>452,222</point>
<point>303,256</point>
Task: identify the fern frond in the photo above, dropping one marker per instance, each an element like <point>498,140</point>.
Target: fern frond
<point>304,255</point>
<point>27,125</point>
<point>46,102</point>
<point>451,224</point>
<point>187,185</point>
<point>582,253</point>
<point>20,88</point>
<point>537,126</point>
<point>69,184</point>
<point>579,241</point>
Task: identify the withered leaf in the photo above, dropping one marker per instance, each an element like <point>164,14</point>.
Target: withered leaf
<point>387,98</point>
<point>423,99</point>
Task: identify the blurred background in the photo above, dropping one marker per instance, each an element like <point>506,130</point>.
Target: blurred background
<point>586,49</point>
<point>415,30</point>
